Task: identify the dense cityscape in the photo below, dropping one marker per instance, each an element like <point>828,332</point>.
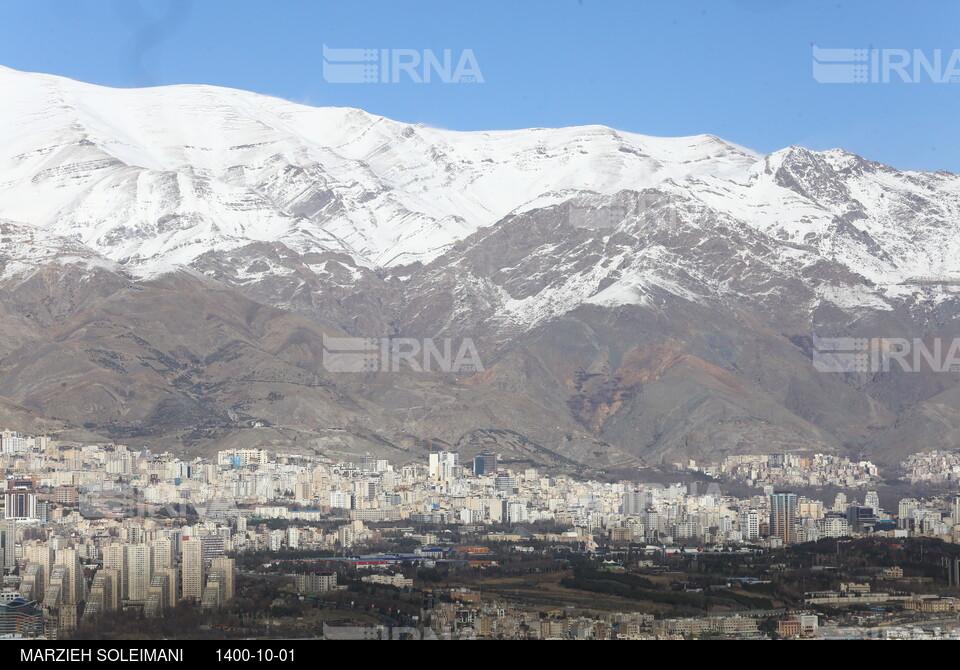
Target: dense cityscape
<point>150,542</point>
<point>540,321</point>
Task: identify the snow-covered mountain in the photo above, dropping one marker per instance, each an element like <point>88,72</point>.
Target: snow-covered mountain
<point>589,264</point>
<point>152,178</point>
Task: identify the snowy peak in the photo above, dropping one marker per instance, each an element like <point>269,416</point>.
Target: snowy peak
<point>157,178</point>
<point>154,177</point>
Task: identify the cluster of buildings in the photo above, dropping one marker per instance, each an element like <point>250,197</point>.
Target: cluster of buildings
<point>794,470</point>
<point>911,632</point>
<point>933,467</point>
<point>95,528</point>
<point>462,620</point>
<point>679,514</point>
<point>59,575</point>
<point>76,541</point>
<point>466,620</point>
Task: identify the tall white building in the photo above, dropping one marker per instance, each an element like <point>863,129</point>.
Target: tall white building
<point>227,569</point>
<point>139,571</point>
<point>74,585</point>
<point>637,501</point>
<point>44,556</point>
<point>162,554</point>
<point>750,524</point>
<point>115,559</point>
<point>444,465</point>
<point>192,569</point>
<point>13,443</point>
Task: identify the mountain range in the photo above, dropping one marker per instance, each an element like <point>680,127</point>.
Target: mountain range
<point>172,260</point>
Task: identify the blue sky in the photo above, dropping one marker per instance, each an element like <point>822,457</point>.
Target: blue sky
<point>739,69</point>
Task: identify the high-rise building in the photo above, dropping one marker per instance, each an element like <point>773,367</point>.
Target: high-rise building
<point>634,503</point>
<point>749,524</point>
<point>20,500</point>
<point>74,585</point>
<point>105,590</point>
<point>840,503</point>
<point>53,594</point>
<point>861,518</point>
<point>162,554</point>
<point>485,463</point>
<point>31,581</point>
<point>213,546</point>
<point>228,571</point>
<point>43,555</point>
<point>905,509</point>
<point>444,465</point>
<point>158,597</point>
<point>8,544</point>
<point>115,558</point>
<point>172,584</point>
<point>139,571</point>
<point>783,516</point>
<point>192,568</point>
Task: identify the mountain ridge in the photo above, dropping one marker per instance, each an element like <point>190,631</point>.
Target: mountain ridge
<point>633,298</point>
